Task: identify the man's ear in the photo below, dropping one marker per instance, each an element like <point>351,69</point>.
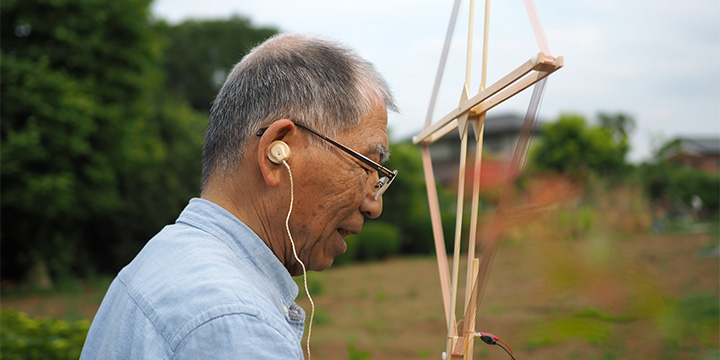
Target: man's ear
<point>269,150</point>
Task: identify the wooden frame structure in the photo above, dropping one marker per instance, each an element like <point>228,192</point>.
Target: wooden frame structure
<point>473,109</point>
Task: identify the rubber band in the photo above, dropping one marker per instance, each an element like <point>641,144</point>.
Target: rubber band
<point>537,27</point>
<point>443,60</point>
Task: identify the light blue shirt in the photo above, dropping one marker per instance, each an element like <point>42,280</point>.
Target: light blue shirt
<point>206,287</point>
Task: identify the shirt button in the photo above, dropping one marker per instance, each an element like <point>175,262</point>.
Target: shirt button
<point>285,308</point>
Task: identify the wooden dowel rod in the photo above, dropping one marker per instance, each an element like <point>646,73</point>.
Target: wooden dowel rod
<point>436,221</point>
<point>486,35</point>
<point>452,125</point>
<point>508,92</point>
<point>468,63</point>
<point>468,335</point>
<point>475,207</point>
<point>452,330</point>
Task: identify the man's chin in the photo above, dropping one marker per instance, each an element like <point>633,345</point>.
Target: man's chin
<point>311,266</point>
<point>326,263</point>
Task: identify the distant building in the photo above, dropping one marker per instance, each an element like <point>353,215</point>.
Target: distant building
<point>501,135</point>
<point>697,152</point>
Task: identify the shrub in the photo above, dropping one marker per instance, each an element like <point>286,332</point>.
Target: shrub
<point>570,146</point>
<point>356,354</point>
<point>673,188</point>
<point>25,338</point>
<point>377,240</point>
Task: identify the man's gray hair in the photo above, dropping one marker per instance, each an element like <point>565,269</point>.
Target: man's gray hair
<point>318,82</point>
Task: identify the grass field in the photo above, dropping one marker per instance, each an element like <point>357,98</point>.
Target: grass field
<point>650,297</point>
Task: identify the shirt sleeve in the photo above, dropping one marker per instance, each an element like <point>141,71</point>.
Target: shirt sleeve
<point>237,336</point>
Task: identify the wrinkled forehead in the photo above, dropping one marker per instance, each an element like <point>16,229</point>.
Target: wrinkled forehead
<point>371,139</point>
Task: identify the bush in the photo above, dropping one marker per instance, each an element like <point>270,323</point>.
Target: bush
<point>25,338</point>
<point>377,240</point>
<point>673,187</point>
<point>570,146</point>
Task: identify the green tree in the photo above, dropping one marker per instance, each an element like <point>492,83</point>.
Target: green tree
<point>620,124</point>
<point>97,154</point>
<point>155,191</point>
<point>672,187</point>
<point>200,54</point>
<point>570,146</point>
<point>76,91</point>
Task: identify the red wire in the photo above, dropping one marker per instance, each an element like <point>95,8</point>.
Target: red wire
<point>506,344</point>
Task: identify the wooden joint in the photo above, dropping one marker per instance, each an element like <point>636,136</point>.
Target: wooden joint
<point>548,63</point>
<point>458,347</point>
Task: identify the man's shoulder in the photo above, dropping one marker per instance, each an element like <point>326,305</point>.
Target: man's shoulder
<point>185,277</point>
<point>182,263</point>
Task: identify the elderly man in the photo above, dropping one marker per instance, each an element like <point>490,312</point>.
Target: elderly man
<point>291,166</point>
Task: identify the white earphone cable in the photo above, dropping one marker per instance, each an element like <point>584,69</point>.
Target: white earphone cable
<point>292,242</point>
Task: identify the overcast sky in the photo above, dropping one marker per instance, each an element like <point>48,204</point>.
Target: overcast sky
<point>656,60</point>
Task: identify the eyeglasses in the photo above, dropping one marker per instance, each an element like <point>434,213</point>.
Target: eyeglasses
<point>386,176</point>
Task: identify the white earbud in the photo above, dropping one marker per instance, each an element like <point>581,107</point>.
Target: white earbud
<point>278,152</point>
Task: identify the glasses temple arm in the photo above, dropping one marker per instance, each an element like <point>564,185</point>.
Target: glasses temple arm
<point>375,166</point>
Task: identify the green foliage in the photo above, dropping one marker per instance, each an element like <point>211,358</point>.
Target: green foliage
<point>593,327</point>
<point>694,317</point>
<point>315,284</point>
<point>570,146</point>
<point>673,187</point>
<point>46,113</point>
<point>376,241</point>
<point>576,223</point>
<point>350,255</point>
<point>74,95</point>
<point>405,204</point>
<point>157,189</point>
<point>620,124</point>
<point>322,317</point>
<point>97,155</point>
<point>355,354</point>
<point>27,339</point>
<point>200,54</point>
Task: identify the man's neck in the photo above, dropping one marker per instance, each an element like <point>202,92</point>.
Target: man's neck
<point>254,206</point>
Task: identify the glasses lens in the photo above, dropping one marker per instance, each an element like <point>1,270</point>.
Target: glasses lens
<point>383,184</point>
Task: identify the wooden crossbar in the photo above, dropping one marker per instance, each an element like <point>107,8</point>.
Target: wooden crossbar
<point>527,74</point>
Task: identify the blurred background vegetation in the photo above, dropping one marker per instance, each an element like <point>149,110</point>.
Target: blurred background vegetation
<point>103,113</point>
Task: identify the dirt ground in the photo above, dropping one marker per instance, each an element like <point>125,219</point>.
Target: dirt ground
<point>547,303</point>
<point>607,297</point>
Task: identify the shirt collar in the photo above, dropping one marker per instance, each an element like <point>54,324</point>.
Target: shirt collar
<point>214,219</point>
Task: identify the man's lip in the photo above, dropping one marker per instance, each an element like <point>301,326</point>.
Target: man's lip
<point>345,232</point>
<point>342,244</point>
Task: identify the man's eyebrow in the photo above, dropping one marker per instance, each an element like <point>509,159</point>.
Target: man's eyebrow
<point>382,151</point>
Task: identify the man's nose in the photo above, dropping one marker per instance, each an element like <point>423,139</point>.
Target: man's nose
<point>370,207</point>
